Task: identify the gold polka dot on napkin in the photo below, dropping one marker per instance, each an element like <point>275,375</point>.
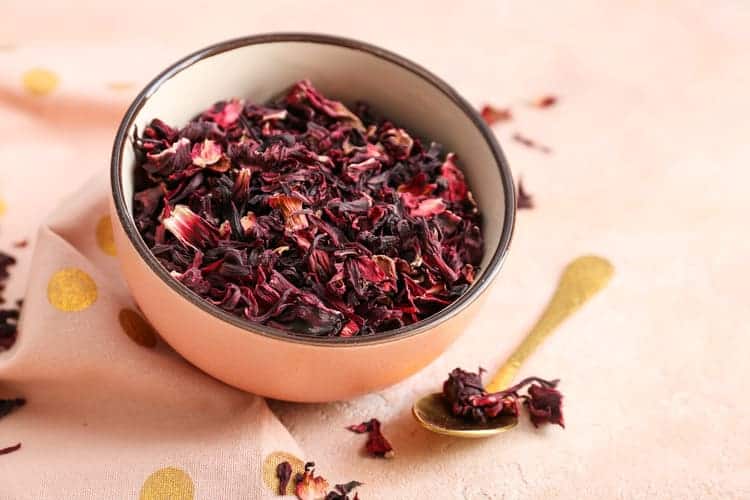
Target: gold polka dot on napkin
<point>39,81</point>
<point>269,470</point>
<point>169,483</point>
<point>104,237</point>
<point>137,328</point>
<point>71,290</point>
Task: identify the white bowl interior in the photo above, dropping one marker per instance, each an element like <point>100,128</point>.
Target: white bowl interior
<point>261,71</point>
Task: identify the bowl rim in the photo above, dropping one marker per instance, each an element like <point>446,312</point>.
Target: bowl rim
<point>455,308</point>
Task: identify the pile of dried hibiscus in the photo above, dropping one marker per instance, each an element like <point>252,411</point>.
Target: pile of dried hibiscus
<point>8,317</point>
<point>306,216</point>
<point>8,332</point>
<point>466,396</point>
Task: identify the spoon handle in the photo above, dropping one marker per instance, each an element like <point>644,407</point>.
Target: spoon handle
<point>581,280</point>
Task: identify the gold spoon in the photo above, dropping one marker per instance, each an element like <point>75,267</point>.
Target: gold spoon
<point>581,280</point>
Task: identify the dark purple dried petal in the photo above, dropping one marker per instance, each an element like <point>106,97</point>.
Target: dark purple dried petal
<point>525,200</point>
<point>530,143</point>
<point>284,473</point>
<point>8,317</point>
<point>170,162</point>
<point>10,449</point>
<point>341,491</point>
<point>545,405</point>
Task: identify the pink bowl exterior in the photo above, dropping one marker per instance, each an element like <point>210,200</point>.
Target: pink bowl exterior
<point>286,370</point>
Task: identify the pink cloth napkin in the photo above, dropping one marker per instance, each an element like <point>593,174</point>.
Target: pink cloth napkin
<point>112,411</point>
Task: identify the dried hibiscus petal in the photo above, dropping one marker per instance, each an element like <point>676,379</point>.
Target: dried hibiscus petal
<point>190,228</point>
<point>341,491</point>
<point>8,317</point>
<point>291,207</point>
<point>450,174</point>
<point>10,449</point>
<point>545,101</point>
<point>308,486</point>
<point>6,407</point>
<point>492,115</point>
<point>545,405</point>
<point>530,143</point>
<point>284,474</point>
<point>524,199</point>
<point>206,153</point>
<point>377,445</point>
<point>226,114</point>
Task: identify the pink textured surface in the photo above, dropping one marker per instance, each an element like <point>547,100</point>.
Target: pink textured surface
<point>649,168</point>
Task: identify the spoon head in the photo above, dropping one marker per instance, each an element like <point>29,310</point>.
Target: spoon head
<point>432,413</point>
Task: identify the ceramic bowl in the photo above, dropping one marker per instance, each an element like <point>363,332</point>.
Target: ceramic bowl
<point>266,360</point>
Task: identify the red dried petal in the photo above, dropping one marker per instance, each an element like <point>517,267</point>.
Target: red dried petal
<point>492,115</point>
<point>304,93</point>
<point>545,405</point>
<point>377,445</point>
<point>350,329</point>
<point>290,207</point>
<point>355,170</point>
<point>172,162</point>
<point>455,180</point>
<point>228,114</point>
<point>386,265</point>
<point>428,208</point>
<point>545,101</point>
<point>417,186</point>
<point>190,228</point>
<point>206,153</point>
<point>309,486</point>
<point>248,222</point>
<point>398,142</point>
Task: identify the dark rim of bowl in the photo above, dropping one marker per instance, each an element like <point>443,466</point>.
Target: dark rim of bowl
<point>479,286</point>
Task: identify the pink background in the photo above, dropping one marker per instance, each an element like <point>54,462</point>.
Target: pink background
<point>649,169</point>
